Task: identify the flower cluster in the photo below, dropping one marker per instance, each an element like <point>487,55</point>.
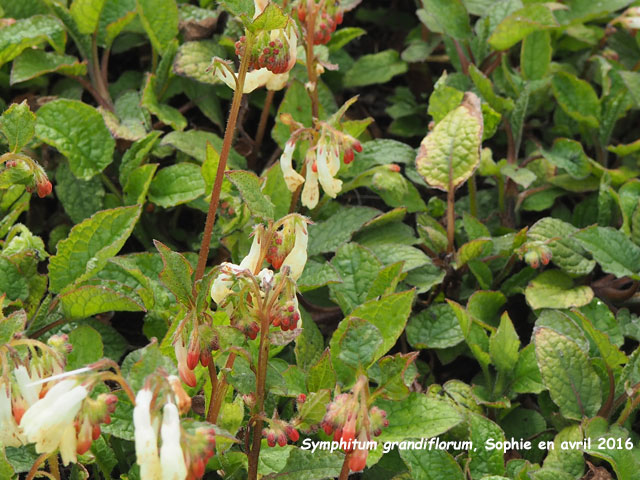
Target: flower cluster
<point>535,253</point>
<point>42,404</point>
<point>349,418</point>
<point>278,432</point>
<point>322,161</point>
<point>261,291</point>
<point>23,170</point>
<point>271,56</point>
<point>326,22</point>
<point>164,447</point>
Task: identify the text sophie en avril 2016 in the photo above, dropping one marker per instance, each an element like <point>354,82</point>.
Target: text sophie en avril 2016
<point>436,443</point>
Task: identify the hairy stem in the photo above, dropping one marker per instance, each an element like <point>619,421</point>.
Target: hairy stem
<point>261,380</point>
<point>344,472</point>
<point>34,468</point>
<point>218,395</point>
<point>473,196</point>
<point>53,466</point>
<point>222,164</point>
<point>264,116</point>
<point>631,406</point>
<point>451,219</point>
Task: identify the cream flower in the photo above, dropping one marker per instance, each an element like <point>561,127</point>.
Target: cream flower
<point>297,257</point>
<point>221,286</point>
<point>47,422</point>
<point>291,177</point>
<point>10,434</point>
<point>171,455</point>
<point>27,385</point>
<point>310,192</point>
<point>146,439</point>
<point>186,374</point>
<point>330,185</point>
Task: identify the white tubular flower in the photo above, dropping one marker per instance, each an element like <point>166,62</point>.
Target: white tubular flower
<point>186,374</point>
<point>255,79</point>
<point>10,435</point>
<point>250,262</point>
<point>69,445</point>
<point>333,161</point>
<point>310,192</point>
<point>292,178</point>
<point>297,257</point>
<point>46,421</point>
<point>29,391</point>
<point>145,437</point>
<point>171,455</point>
<point>330,185</point>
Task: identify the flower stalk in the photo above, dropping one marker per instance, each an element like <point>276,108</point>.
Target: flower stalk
<point>224,155</point>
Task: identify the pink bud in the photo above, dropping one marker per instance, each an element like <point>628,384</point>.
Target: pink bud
<point>292,433</point>
<point>358,460</point>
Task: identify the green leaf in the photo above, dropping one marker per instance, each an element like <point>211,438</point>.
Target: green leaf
<point>343,36</point>
<point>566,252</point>
<point>418,416</point>
<point>527,378</point>
<point>271,18</point>
<point>435,327</point>
<point>309,344</point>
<point>79,198</point>
<point>305,465</point>
<point>451,17</point>
<point>12,325</point>
<point>386,281</point>
<point>77,131</point>
<point>176,184</point>
<point>531,18</point>
<point>357,267</point>
<point>485,461</point>
<point>611,355</point>
<point>504,345</point>
<point>17,124</point>
<point>88,300</point>
<point>194,58</point>
<point>392,383</point>
<point>572,382</point>
<point>412,258</point>
<point>356,347</point>
<point>577,98</point>
<point>389,314</point>
<point>165,113</point>
<point>34,63</point>
<point>485,87</point>
<point>431,465</point>
<point>374,68</point>
<point>249,186</point>
<point>136,155</point>
<point>622,260</point>
<point>321,375</point>
<point>160,20</point>
<point>450,153</point>
<point>176,274</point>
<point>138,184</point>
<point>535,55</point>
<point>316,275</point>
<point>89,245</point>
<point>87,347</point>
<point>86,13</point>
<point>328,235</point>
<point>30,32</point>
<point>194,144</point>
<point>569,155</point>
<point>624,461</point>
<point>554,289</point>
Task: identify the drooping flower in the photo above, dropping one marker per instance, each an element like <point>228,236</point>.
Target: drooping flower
<point>186,374</point>
<point>297,258</point>
<point>291,177</point>
<point>146,439</point>
<point>49,422</point>
<point>171,455</point>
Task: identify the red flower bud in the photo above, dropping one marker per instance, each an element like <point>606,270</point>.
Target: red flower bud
<point>348,156</point>
<point>292,433</point>
<point>301,398</point>
<point>44,188</point>
<point>358,460</point>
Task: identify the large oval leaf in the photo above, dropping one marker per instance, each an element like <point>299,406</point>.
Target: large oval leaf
<point>77,131</point>
<point>450,153</point>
